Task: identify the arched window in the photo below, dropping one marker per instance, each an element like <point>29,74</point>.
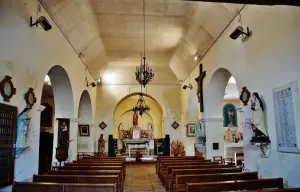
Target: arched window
<point>229,116</point>
<point>46,116</point>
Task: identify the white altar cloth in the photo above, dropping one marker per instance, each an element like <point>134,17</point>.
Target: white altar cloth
<point>138,146</point>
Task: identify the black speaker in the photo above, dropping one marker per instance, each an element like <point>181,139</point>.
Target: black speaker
<point>166,146</point>
<point>111,146</point>
<point>215,146</point>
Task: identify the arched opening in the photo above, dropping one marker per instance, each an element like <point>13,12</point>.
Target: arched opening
<point>221,107</point>
<point>57,97</point>
<point>85,141</point>
<point>149,122</point>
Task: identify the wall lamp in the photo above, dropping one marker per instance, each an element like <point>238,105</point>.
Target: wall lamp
<point>239,31</point>
<point>42,21</point>
<point>90,84</point>
<point>187,86</point>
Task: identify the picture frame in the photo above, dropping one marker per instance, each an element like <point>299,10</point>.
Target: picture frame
<point>84,130</point>
<point>191,130</point>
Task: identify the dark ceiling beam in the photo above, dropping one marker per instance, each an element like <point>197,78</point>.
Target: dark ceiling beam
<point>255,2</point>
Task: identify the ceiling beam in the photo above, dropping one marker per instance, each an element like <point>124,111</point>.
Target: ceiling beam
<point>255,2</point>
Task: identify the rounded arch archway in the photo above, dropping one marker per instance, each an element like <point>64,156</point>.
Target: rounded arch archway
<point>85,141</point>
<point>58,90</point>
<point>125,105</point>
<point>214,101</point>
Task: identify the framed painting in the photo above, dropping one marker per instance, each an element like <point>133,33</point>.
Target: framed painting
<point>84,130</point>
<point>63,132</point>
<point>190,130</point>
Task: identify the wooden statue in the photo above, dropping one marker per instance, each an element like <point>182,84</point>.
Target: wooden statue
<point>199,81</point>
<point>101,146</point>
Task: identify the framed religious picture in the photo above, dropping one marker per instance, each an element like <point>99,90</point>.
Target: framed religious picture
<point>30,97</point>
<point>175,125</point>
<point>190,130</point>
<point>245,95</point>
<point>7,89</point>
<point>84,130</point>
<point>102,125</point>
<point>63,132</point>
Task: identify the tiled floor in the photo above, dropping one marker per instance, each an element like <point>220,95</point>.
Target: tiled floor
<point>142,177</point>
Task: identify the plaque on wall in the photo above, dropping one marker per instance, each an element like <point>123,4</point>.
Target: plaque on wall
<point>286,107</point>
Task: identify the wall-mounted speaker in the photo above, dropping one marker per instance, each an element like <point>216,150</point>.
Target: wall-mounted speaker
<point>215,146</point>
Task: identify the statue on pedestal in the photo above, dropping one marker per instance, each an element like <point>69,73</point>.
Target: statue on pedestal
<point>101,146</point>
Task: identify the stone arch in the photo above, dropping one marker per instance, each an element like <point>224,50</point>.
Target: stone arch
<point>156,112</point>
<point>85,144</point>
<point>64,106</point>
<point>213,110</point>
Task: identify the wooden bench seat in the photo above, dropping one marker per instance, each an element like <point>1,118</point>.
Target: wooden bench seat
<point>181,180</point>
<point>164,166</point>
<point>235,185</point>
<point>96,179</point>
<point>176,172</point>
<point>271,190</point>
<point>164,158</point>
<point>62,187</point>
<point>167,175</point>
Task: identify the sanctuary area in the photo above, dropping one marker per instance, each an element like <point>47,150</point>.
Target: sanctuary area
<point>149,95</point>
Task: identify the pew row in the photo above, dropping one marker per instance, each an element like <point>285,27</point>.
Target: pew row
<point>61,187</point>
<point>181,180</point>
<point>271,190</point>
<point>176,172</point>
<point>235,185</point>
<point>96,179</point>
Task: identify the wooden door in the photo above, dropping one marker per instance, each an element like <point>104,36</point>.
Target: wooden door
<point>8,125</point>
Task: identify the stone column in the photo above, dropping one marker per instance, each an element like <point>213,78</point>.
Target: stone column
<point>73,136</point>
<point>214,134</point>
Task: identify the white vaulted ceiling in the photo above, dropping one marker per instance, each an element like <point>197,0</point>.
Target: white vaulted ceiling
<point>109,33</point>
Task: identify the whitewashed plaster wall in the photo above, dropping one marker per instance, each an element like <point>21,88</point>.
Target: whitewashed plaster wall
<point>27,54</point>
<point>168,96</point>
<point>270,58</point>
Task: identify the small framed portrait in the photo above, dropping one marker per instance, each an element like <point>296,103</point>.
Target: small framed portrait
<point>84,130</point>
<point>190,130</point>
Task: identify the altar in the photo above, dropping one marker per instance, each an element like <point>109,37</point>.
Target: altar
<point>137,144</point>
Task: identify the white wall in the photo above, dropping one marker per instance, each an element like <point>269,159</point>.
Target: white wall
<point>27,54</point>
<point>168,96</point>
<point>270,58</point>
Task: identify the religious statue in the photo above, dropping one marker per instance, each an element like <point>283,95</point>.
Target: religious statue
<point>258,115</point>
<point>22,128</point>
<point>149,130</point>
<point>228,135</point>
<point>230,117</point>
<point>101,146</point>
<point>63,135</point>
<point>135,119</point>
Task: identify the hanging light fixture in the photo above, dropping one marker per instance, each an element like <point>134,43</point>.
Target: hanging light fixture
<point>144,73</point>
<point>141,107</point>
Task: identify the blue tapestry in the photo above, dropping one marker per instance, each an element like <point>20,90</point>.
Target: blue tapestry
<point>229,116</point>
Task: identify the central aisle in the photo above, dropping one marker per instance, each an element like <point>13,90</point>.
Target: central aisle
<point>142,177</point>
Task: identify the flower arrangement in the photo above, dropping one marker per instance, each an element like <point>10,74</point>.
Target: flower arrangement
<point>126,134</point>
<point>249,124</point>
<point>177,148</point>
<point>144,134</point>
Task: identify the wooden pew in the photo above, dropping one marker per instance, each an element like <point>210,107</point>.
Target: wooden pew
<point>61,187</point>
<point>167,175</point>
<point>101,163</point>
<point>235,185</point>
<point>163,158</point>
<point>181,180</point>
<point>176,172</point>
<point>271,190</point>
<point>96,179</point>
<point>164,165</point>
<point>88,172</point>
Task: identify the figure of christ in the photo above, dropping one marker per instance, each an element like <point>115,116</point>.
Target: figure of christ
<point>64,135</point>
<point>230,118</point>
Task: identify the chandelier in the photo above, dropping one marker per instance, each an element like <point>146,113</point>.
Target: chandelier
<point>144,73</point>
<point>141,106</point>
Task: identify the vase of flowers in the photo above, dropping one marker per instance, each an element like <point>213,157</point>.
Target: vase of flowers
<point>177,148</point>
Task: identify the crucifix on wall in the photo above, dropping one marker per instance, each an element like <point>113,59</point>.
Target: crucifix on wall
<point>199,81</point>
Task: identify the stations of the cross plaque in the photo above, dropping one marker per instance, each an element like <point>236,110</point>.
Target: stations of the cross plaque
<point>199,81</point>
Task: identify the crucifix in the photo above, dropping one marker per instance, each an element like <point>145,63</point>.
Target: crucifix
<point>199,81</point>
